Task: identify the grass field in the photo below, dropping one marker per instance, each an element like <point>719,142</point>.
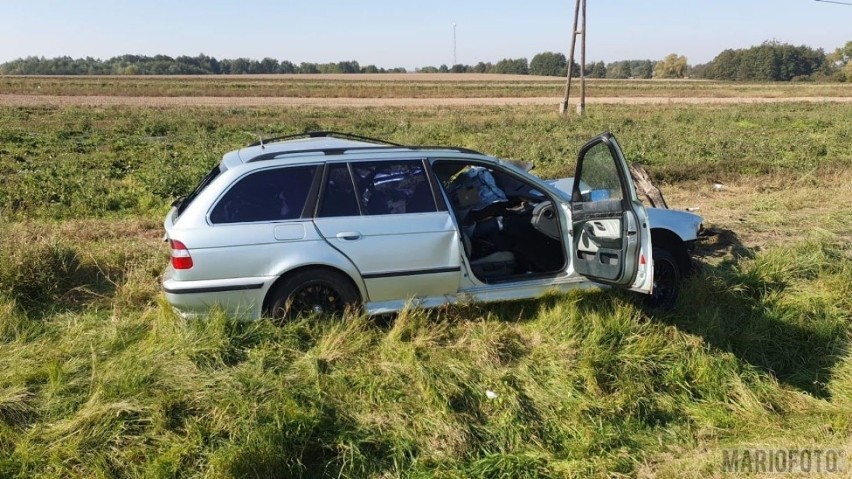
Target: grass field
<point>99,379</point>
<point>400,86</point>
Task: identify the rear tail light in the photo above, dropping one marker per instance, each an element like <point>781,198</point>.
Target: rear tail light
<point>180,255</point>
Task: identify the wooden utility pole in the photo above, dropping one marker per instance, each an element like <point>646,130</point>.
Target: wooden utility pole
<point>579,8</point>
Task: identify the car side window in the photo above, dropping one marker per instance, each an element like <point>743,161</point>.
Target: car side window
<point>338,197</point>
<point>599,180</point>
<point>266,195</point>
<point>393,187</point>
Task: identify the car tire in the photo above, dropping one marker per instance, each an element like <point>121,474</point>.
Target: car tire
<point>667,277</point>
<point>314,291</point>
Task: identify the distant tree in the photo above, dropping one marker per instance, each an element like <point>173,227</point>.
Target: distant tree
<point>643,69</point>
<point>240,65</point>
<point>287,67</point>
<point>348,67</point>
<point>267,65</point>
<point>480,67</point>
<point>370,69</point>
<point>429,69</point>
<point>597,70</point>
<point>840,62</point>
<point>209,64</point>
<point>329,68</point>
<point>698,71</point>
<point>724,66</point>
<point>185,64</point>
<point>770,61</point>
<point>844,53</point>
<point>444,69</point>
<point>459,68</point>
<point>673,66</point>
<point>619,70</point>
<point>548,64</point>
<point>306,67</point>
<point>630,69</point>
<point>517,66</point>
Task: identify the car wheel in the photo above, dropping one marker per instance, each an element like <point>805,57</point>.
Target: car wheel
<point>666,280</point>
<point>320,292</point>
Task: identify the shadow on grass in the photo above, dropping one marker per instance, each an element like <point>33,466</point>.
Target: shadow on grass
<point>765,314</point>
<point>719,243</point>
<point>310,441</point>
<point>51,278</point>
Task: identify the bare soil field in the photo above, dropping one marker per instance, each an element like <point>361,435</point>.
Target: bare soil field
<point>400,86</point>
<point>218,101</point>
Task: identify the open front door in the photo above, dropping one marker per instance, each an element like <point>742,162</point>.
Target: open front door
<point>611,237</point>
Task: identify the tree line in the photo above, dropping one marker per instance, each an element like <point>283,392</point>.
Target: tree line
<point>776,61</point>
<point>182,65</point>
<point>556,64</point>
<point>770,61</point>
<point>545,64</point>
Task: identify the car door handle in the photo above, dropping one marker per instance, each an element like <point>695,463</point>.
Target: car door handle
<point>349,235</point>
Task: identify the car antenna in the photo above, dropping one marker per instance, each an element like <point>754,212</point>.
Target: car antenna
<point>259,139</point>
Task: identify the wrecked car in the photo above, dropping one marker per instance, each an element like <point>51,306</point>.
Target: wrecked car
<point>324,221</point>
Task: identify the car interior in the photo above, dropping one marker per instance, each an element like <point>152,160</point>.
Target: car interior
<point>393,188</point>
<point>509,229</point>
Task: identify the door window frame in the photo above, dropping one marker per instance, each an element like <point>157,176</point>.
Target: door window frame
<point>437,197</point>
<point>566,240</point>
<point>628,195</point>
<point>310,198</point>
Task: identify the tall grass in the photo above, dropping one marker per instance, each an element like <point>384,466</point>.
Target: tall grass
<point>98,378</point>
<point>584,384</point>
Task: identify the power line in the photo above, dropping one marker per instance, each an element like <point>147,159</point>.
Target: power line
<point>835,2</point>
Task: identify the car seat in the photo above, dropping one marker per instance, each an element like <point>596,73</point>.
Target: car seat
<point>490,266</point>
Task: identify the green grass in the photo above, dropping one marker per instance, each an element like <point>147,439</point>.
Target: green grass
<point>98,378</point>
<point>80,162</point>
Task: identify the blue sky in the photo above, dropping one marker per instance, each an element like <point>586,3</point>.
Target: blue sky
<point>398,33</point>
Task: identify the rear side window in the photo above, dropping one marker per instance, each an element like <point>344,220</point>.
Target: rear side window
<point>338,197</point>
<point>393,187</point>
<point>266,195</point>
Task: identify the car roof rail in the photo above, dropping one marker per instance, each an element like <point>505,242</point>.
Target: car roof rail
<point>323,134</point>
<point>355,149</point>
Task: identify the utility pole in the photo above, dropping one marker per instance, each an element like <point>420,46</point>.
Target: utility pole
<point>579,8</point>
<point>455,51</point>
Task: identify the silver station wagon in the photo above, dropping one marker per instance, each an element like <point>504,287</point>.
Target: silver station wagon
<point>324,221</point>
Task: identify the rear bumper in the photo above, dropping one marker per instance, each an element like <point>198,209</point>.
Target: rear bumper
<point>238,297</point>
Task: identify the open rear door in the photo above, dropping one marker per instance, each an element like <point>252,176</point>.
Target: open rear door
<point>611,237</point>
